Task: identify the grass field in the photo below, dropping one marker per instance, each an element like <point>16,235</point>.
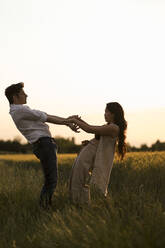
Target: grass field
<point>132,216</point>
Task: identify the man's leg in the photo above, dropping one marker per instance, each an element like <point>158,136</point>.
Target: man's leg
<point>48,158</point>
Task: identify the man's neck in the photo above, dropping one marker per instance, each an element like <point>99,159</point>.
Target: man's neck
<point>17,103</point>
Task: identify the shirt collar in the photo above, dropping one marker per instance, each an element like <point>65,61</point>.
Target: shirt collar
<point>14,107</point>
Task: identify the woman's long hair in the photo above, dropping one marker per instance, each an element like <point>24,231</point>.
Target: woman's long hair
<point>116,109</point>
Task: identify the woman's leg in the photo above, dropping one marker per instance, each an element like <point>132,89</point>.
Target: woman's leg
<point>80,174</point>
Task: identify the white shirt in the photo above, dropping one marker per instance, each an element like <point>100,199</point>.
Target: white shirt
<point>30,122</point>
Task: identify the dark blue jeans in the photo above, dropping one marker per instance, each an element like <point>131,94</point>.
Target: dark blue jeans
<point>45,150</point>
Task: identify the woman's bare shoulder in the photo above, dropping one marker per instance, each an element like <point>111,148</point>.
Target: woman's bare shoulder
<point>114,125</point>
<point>115,128</point>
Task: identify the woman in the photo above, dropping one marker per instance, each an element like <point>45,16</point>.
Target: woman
<point>94,162</point>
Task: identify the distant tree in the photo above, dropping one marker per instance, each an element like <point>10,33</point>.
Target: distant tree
<point>144,148</point>
<point>66,145</point>
<point>10,146</point>
<point>158,146</point>
<point>128,147</point>
<point>17,139</point>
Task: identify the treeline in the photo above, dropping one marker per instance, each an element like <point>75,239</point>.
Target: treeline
<point>157,146</point>
<point>15,146</point>
<point>66,145</point>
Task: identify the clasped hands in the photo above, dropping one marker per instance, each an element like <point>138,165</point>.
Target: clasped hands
<point>71,122</point>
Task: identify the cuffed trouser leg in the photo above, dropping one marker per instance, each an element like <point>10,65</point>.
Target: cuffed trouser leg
<point>49,165</point>
<point>46,152</point>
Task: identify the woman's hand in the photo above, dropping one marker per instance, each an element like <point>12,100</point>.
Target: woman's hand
<point>74,127</point>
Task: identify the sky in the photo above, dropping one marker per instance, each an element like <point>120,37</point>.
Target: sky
<point>74,56</point>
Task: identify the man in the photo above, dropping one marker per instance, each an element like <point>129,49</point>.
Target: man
<point>31,124</point>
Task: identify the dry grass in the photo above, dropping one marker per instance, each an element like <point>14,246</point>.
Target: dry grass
<point>62,158</point>
<point>132,216</point>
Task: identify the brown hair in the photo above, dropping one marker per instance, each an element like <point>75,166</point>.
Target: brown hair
<point>116,109</point>
<point>13,90</point>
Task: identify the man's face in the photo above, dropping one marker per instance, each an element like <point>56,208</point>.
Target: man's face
<point>20,98</point>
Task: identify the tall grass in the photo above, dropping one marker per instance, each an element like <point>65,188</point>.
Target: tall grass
<point>132,216</point>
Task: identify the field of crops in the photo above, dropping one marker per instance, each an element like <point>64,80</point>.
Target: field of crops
<point>132,216</point>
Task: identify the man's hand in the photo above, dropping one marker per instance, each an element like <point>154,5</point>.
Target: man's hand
<point>73,118</point>
<point>74,127</point>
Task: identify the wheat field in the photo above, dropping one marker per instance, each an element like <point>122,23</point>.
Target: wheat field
<point>132,216</point>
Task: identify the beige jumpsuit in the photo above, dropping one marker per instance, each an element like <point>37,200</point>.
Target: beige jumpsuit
<point>92,166</point>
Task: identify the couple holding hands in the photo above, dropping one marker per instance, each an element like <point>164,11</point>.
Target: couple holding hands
<point>94,162</point>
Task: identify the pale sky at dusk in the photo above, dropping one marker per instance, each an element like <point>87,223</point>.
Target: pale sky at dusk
<point>74,56</point>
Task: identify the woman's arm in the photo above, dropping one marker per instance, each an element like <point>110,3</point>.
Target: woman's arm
<point>105,130</point>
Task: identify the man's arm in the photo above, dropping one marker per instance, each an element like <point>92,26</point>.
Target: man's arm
<point>62,121</point>
<point>56,120</point>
